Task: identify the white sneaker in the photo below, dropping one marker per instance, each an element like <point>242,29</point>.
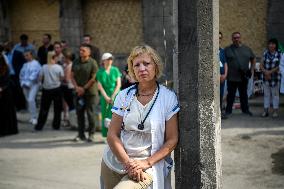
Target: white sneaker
<point>34,121</point>
<point>275,114</point>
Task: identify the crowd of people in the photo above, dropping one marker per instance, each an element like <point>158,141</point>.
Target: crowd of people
<point>237,68</point>
<point>72,82</point>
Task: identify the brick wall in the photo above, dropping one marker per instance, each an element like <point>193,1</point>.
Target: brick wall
<point>247,17</point>
<point>116,25</point>
<point>34,18</point>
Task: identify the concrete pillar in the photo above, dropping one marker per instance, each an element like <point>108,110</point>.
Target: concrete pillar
<point>158,32</point>
<point>4,21</point>
<point>71,24</point>
<point>275,22</point>
<point>198,154</point>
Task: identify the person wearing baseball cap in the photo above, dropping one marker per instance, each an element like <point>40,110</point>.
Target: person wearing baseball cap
<point>109,83</point>
<point>107,56</point>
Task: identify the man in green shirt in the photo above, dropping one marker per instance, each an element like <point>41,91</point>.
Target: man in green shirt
<point>84,72</point>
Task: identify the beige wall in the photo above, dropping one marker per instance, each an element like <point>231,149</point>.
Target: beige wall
<point>116,25</point>
<point>34,18</point>
<point>247,17</point>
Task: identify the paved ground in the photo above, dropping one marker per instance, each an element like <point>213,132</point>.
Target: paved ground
<point>253,156</point>
<point>253,151</point>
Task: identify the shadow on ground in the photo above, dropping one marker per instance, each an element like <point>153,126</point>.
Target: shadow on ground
<point>278,162</point>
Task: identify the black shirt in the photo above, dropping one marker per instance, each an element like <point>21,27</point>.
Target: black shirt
<point>96,53</point>
<point>42,53</point>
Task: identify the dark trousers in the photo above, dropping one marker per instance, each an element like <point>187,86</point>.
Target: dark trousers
<point>8,117</point>
<point>49,96</point>
<point>232,88</point>
<point>222,86</point>
<point>68,96</point>
<point>85,104</point>
<point>18,95</point>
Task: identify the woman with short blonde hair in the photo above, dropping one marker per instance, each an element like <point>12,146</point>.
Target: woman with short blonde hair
<point>137,51</point>
<point>51,76</point>
<point>143,130</point>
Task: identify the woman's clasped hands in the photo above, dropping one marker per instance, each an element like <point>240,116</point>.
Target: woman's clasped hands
<point>136,169</point>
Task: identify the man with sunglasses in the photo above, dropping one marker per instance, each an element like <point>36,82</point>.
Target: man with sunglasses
<point>241,60</point>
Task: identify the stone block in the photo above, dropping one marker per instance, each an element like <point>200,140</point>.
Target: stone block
<point>198,154</point>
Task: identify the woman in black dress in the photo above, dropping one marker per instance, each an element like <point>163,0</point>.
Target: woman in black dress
<point>8,118</point>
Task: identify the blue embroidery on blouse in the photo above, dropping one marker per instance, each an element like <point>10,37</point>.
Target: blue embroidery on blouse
<point>175,108</point>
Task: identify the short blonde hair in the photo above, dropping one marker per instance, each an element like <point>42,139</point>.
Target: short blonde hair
<point>145,49</point>
<point>50,56</point>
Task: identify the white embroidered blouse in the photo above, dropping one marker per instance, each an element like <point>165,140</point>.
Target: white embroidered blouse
<point>164,108</point>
